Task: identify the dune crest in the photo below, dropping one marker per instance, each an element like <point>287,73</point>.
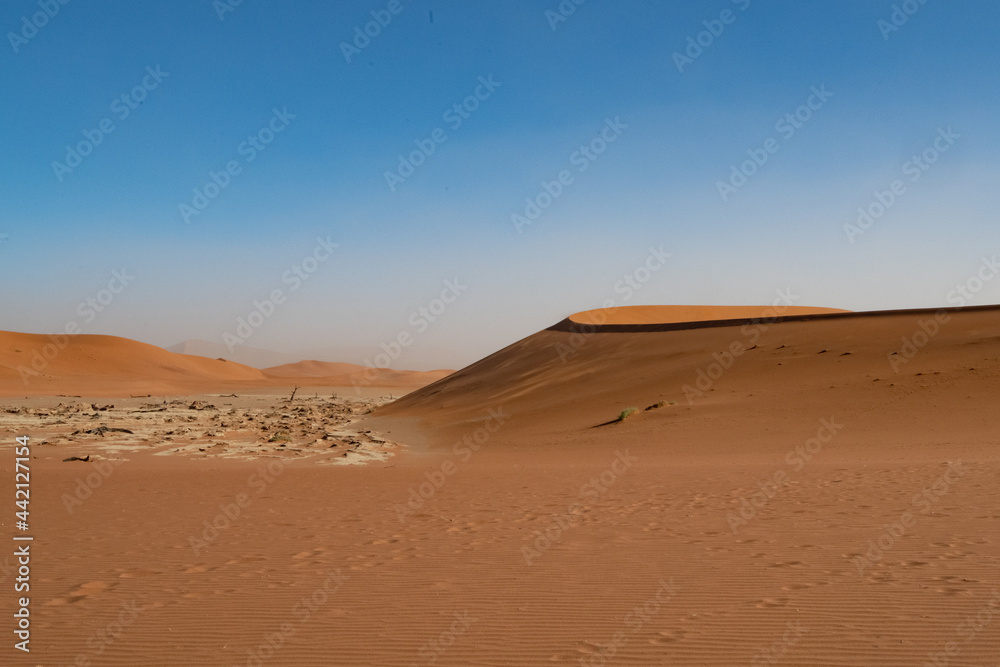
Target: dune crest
<point>677,314</point>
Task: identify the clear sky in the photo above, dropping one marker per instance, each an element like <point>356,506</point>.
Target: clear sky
<point>242,132</point>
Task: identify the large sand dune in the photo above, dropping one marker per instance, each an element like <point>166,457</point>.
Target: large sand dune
<point>728,377</point>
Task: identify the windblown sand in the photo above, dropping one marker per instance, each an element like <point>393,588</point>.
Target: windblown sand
<point>822,498</point>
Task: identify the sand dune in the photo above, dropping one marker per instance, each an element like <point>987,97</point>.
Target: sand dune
<point>784,475</point>
<point>570,377</point>
<point>819,490</point>
<point>40,365</point>
<point>37,365</point>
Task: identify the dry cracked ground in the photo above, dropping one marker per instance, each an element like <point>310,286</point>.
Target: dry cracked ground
<point>246,427</point>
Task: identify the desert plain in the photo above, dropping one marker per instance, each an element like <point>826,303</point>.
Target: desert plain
<point>698,486</point>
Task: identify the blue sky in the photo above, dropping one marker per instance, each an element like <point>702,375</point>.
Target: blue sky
<point>893,92</point>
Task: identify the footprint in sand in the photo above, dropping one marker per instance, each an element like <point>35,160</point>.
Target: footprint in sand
<point>796,587</point>
<point>135,574</point>
<point>767,603</point>
<point>89,589</point>
<point>198,569</point>
<point>245,559</point>
<point>668,637</point>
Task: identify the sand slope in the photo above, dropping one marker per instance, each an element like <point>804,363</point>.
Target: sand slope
<point>568,378</point>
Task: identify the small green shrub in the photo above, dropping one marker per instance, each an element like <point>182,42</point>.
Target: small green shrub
<point>626,413</point>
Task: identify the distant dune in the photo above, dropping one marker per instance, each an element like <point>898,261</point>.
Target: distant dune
<point>424,357</point>
<point>331,373</point>
<point>243,354</point>
<point>40,365</point>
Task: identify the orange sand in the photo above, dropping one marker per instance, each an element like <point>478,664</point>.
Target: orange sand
<point>523,525</point>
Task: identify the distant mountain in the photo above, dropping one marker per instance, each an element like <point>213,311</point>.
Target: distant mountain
<point>335,373</point>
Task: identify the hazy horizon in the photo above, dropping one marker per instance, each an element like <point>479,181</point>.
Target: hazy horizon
<point>619,122</point>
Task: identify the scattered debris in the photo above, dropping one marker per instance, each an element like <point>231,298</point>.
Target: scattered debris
<point>101,430</point>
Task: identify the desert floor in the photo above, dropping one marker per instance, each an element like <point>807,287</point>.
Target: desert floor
<point>811,507</point>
